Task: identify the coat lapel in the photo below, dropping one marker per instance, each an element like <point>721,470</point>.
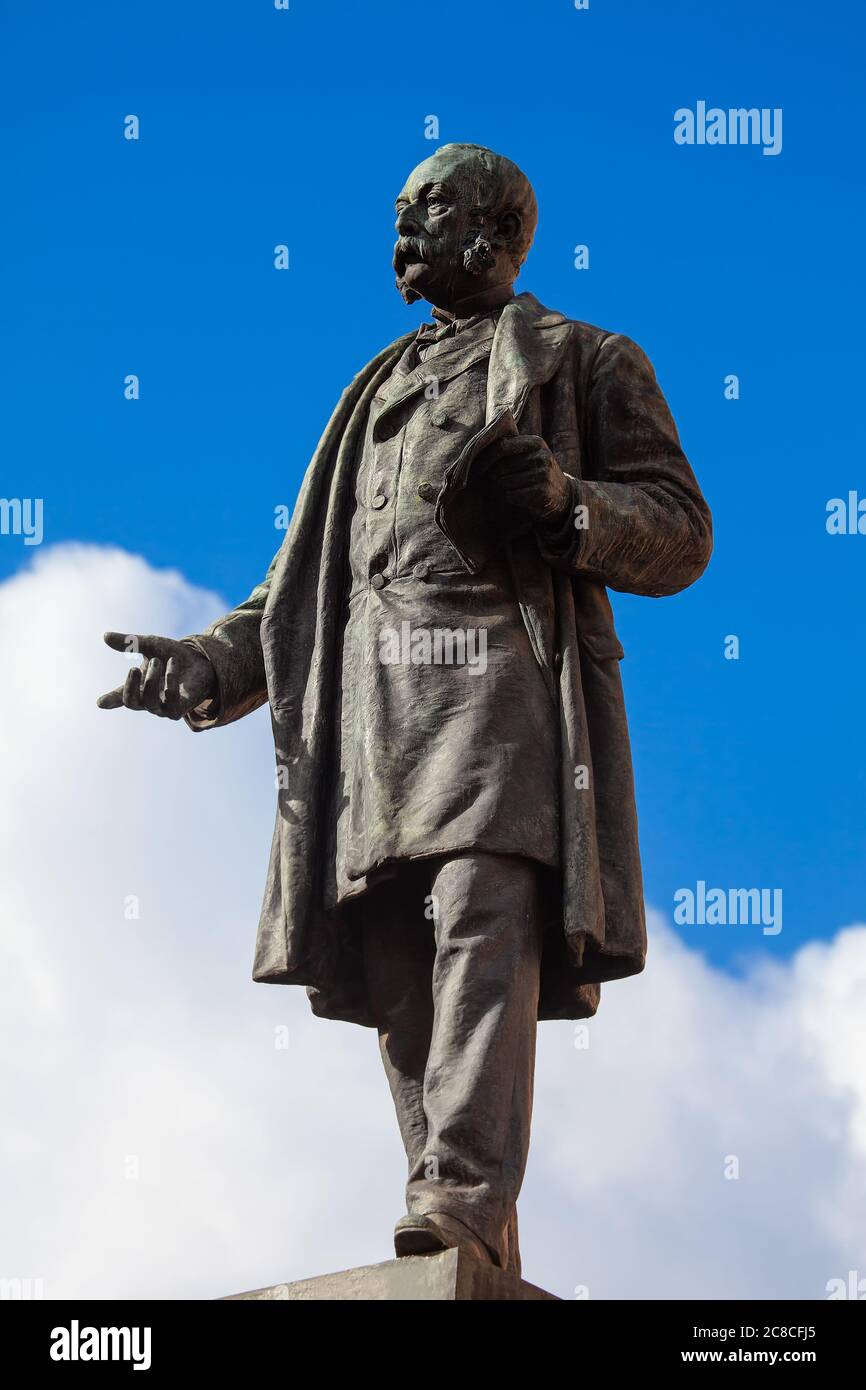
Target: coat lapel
<point>528,347</point>
<point>527,350</point>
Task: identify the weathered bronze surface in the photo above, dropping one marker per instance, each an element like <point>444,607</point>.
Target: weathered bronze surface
<point>455,853</point>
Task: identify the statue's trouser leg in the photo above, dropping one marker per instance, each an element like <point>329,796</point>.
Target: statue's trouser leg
<point>457,1033</point>
<point>399,951</point>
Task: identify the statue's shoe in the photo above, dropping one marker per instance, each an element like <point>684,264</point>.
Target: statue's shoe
<point>424,1235</point>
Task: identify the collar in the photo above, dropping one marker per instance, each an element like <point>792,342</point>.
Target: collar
<point>477,304</point>
<point>526,350</point>
<point>467,313</point>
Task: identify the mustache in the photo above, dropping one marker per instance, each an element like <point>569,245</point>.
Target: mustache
<point>413,248</point>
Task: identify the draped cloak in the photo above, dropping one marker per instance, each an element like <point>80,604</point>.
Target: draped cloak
<point>645,528</point>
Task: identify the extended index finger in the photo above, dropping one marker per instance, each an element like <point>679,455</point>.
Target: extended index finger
<point>134,644</point>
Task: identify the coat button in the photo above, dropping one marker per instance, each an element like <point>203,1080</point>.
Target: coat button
<point>421,570</point>
<point>439,418</point>
<point>379,501</point>
<point>378,581</point>
<point>428,492</point>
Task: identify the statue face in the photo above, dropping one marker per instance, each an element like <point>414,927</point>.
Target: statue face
<point>438,255</point>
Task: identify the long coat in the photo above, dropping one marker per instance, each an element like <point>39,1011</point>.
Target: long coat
<point>593,397</point>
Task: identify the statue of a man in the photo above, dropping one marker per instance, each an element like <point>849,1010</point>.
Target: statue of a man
<point>455,853</point>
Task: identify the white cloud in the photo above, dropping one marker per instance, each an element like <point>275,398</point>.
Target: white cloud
<point>147,1040</point>
<point>688,1069</point>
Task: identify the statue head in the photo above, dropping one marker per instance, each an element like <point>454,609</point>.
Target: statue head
<point>465,222</point>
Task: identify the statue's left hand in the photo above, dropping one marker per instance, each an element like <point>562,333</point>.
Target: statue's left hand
<point>527,476</point>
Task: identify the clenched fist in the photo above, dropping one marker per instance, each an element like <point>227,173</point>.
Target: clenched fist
<point>172,679</point>
<point>527,476</point>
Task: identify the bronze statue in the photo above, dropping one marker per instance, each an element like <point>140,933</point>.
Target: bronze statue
<point>455,853</point>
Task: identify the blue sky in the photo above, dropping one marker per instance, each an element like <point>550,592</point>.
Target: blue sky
<point>260,127</point>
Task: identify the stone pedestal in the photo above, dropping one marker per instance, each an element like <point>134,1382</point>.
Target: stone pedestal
<point>450,1276</point>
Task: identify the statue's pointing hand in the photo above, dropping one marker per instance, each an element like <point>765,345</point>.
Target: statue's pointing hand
<point>173,678</point>
<point>527,476</point>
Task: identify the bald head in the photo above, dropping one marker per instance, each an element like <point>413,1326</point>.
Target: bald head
<point>495,186</point>
<point>465,218</point>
